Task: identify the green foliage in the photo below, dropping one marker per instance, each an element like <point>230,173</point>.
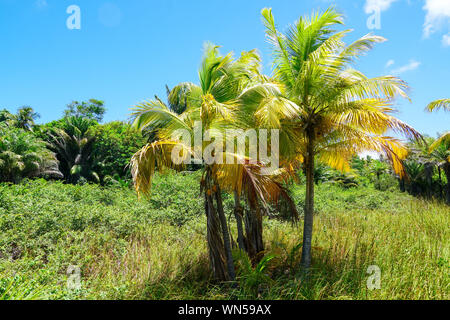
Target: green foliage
<point>155,248</point>
<point>115,144</point>
<point>6,116</point>
<point>428,168</point>
<point>92,110</point>
<point>23,119</point>
<point>22,155</point>
<point>252,279</point>
<point>73,145</point>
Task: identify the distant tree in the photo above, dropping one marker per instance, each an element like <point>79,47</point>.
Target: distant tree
<point>6,116</point>
<point>440,156</point>
<point>93,110</point>
<point>73,145</point>
<point>22,155</point>
<point>442,142</point>
<point>25,118</point>
<point>378,168</point>
<point>115,143</point>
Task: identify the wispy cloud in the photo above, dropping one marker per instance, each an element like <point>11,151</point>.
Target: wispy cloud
<point>437,17</point>
<point>446,40</point>
<point>375,5</point>
<point>41,3</point>
<point>412,65</point>
<point>389,63</point>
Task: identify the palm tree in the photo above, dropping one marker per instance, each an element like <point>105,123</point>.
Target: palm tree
<point>440,156</point>
<point>339,111</point>
<point>24,156</point>
<point>441,147</point>
<point>215,105</point>
<point>419,151</point>
<point>378,168</point>
<point>6,117</point>
<point>25,118</point>
<point>73,146</point>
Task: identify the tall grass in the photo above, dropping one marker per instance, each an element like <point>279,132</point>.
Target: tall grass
<point>156,249</point>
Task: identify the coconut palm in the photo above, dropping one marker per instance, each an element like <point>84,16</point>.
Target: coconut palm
<point>338,110</point>
<point>441,147</point>
<point>443,104</point>
<point>209,108</point>
<point>25,118</point>
<point>440,156</point>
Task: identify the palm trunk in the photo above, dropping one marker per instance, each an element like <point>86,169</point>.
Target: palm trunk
<point>429,179</point>
<point>447,174</point>
<point>441,195</point>
<point>309,203</point>
<point>215,243</point>
<point>225,233</point>
<point>402,185</point>
<point>253,230</point>
<point>238,212</point>
<point>259,228</point>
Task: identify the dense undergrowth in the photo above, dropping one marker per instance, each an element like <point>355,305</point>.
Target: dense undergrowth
<point>156,248</point>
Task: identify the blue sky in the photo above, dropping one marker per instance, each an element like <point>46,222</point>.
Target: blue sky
<point>127,51</point>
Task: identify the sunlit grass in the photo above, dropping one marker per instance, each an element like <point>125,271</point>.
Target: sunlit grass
<point>147,250</point>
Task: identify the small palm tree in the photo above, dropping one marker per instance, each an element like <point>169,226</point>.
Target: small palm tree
<point>73,146</point>
<point>441,146</point>
<point>440,156</point>
<point>378,168</point>
<point>24,156</point>
<point>6,117</point>
<point>25,118</point>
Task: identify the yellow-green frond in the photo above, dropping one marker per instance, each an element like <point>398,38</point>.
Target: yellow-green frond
<point>439,104</point>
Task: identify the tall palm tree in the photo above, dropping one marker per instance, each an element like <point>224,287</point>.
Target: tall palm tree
<point>214,104</point>
<point>441,147</point>
<point>339,111</point>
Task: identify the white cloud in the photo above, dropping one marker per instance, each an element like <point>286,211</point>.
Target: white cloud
<point>389,63</point>
<point>446,40</point>
<point>412,65</point>
<point>375,5</point>
<point>41,3</point>
<point>438,16</point>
